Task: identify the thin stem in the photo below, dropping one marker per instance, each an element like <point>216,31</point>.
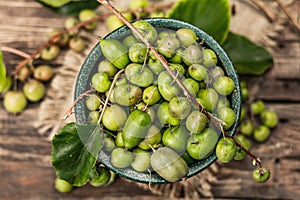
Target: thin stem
<point>145,60</point>
<point>176,77</point>
<point>150,175</point>
<point>14,51</point>
<point>154,90</point>
<point>170,71</point>
<point>69,111</point>
<point>289,15</point>
<point>109,133</point>
<point>265,9</point>
<point>108,94</point>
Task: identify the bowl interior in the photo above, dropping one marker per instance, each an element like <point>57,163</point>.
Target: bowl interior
<point>90,65</point>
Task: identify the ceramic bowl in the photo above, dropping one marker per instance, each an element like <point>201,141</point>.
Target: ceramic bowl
<point>90,65</point>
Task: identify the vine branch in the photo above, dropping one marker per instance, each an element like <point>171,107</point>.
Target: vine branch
<point>28,58</point>
<point>265,9</point>
<point>51,39</point>
<point>69,110</point>
<point>14,51</point>
<point>168,69</point>
<point>289,15</point>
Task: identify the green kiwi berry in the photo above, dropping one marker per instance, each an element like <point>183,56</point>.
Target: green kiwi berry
<point>14,101</point>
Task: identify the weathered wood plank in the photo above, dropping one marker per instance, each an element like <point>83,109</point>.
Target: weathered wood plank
<point>287,60</point>
<point>36,182</point>
<point>273,90</point>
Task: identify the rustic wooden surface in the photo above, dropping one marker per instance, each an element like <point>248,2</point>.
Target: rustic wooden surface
<point>25,169</point>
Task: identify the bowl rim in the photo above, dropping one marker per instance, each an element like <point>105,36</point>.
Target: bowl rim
<point>93,58</point>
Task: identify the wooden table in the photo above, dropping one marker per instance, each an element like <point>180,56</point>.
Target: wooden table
<point>25,169</point>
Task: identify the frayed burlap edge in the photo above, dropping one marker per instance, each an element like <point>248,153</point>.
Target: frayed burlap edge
<point>248,21</point>
<point>193,188</point>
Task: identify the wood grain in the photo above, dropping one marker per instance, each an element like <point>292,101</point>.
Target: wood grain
<point>25,169</point>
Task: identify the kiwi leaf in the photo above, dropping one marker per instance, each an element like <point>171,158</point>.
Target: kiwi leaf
<point>75,151</point>
<point>247,57</point>
<point>212,16</point>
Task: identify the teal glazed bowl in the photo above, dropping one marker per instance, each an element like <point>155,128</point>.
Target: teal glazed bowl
<point>90,65</point>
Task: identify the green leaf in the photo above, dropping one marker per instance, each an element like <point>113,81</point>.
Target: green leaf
<point>75,151</point>
<point>2,73</point>
<point>72,6</point>
<point>248,58</point>
<point>212,16</point>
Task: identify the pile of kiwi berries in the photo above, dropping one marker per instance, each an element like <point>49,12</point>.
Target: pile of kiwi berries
<point>31,80</point>
<point>149,124</point>
<point>33,90</point>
